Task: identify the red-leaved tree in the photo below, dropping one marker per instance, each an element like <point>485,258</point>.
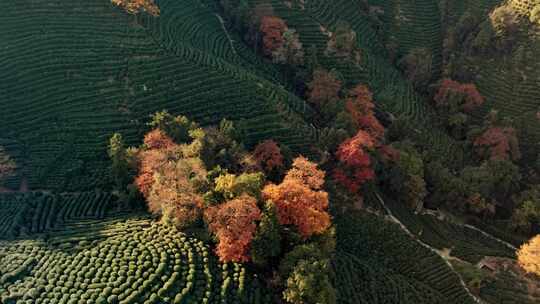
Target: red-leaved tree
<point>354,168</point>
<point>299,200</point>
<point>152,158</point>
<point>361,107</point>
<point>498,143</point>
<point>456,96</point>
<point>234,224</point>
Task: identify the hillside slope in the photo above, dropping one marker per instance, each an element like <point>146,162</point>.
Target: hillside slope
<point>74,72</point>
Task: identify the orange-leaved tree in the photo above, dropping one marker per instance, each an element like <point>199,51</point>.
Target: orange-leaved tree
<point>272,29</point>
<point>498,143</point>
<point>137,6</point>
<point>361,107</point>
<point>168,178</point>
<point>354,168</point>
<point>299,199</point>
<point>234,223</point>
<point>173,194</point>
<point>529,256</point>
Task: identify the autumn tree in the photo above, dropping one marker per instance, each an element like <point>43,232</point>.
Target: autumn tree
<point>268,157</point>
<point>505,23</point>
<point>498,143</point>
<point>230,186</point>
<point>324,88</point>
<point>454,101</point>
<point>291,52</point>
<point>361,107</point>
<point>7,165</point>
<point>299,199</point>
<point>323,92</point>
<point>355,164</point>
<point>529,256</point>
<point>272,29</point>
<point>457,97</point>
<point>153,156</point>
<point>174,194</point>
<point>234,224</point>
<point>138,6</point>
<point>534,17</point>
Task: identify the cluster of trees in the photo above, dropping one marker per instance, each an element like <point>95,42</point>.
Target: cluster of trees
<point>279,42</point>
<point>342,43</point>
<point>257,211</point>
<point>454,102</point>
<point>495,35</point>
<point>497,139</point>
<point>417,66</point>
<point>7,165</point>
<point>138,6</point>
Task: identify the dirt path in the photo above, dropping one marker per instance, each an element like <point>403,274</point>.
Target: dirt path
<point>490,236</point>
<point>438,214</point>
<point>443,256</point>
<point>226,33</point>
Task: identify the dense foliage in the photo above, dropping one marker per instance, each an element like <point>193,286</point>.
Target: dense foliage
<point>529,256</point>
<point>208,180</point>
<point>386,96</point>
<point>137,6</point>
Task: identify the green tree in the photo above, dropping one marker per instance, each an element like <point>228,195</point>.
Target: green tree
<point>219,146</point>
<point>342,42</point>
<point>176,127</point>
<point>406,176</point>
<point>267,241</point>
<point>309,282</point>
<point>527,212</point>
<point>417,66</point>
<point>232,186</point>
<point>119,163</point>
<point>494,179</point>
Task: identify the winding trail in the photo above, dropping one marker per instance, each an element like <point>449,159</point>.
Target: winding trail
<point>394,219</point>
<point>505,243</point>
<point>489,236</point>
<point>226,33</point>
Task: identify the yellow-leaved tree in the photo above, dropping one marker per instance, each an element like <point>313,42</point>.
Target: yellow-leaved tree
<point>529,255</point>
